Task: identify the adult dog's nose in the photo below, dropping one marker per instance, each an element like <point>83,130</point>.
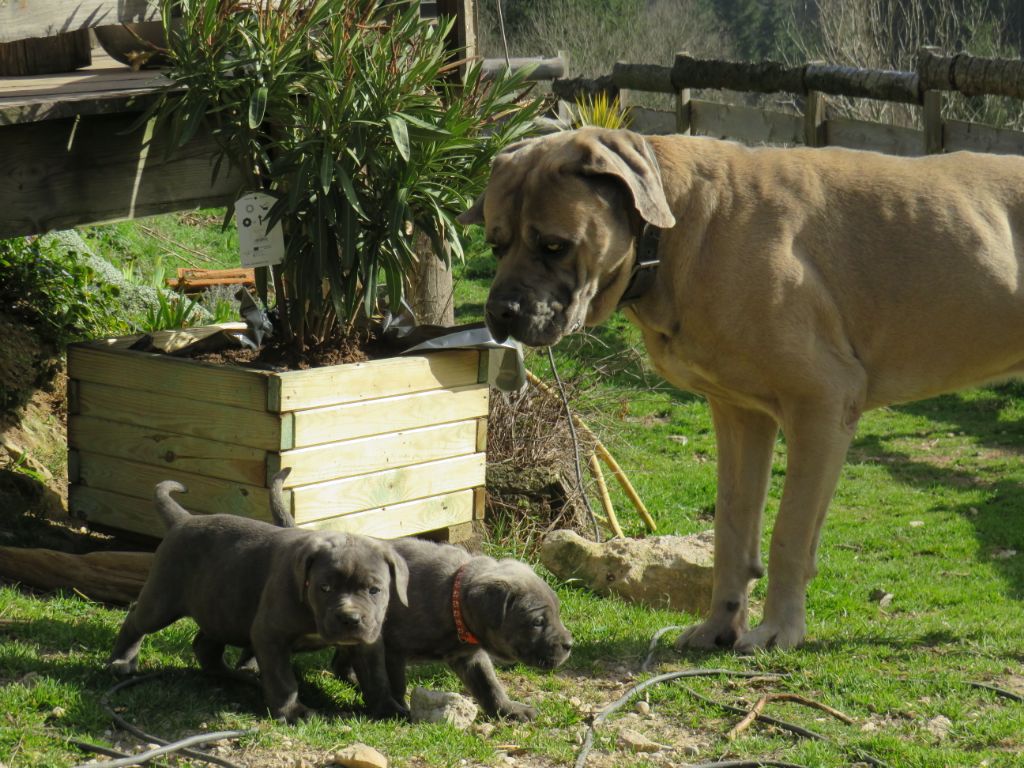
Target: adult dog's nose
<point>501,314</point>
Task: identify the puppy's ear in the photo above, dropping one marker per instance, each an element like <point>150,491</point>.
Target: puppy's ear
<point>306,555</point>
<point>629,158</point>
<point>475,215</point>
<point>399,573</point>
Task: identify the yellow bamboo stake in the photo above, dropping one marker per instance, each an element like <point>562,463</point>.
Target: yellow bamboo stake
<point>606,500</point>
<point>605,456</point>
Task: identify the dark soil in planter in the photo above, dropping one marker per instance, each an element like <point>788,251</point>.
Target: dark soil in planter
<point>281,356</point>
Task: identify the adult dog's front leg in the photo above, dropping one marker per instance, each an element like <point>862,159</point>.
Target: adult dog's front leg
<point>817,439</point>
<point>746,440</point>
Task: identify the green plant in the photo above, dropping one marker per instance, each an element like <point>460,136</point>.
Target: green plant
<point>53,289</point>
<point>170,313</point>
<point>600,111</point>
<point>348,113</point>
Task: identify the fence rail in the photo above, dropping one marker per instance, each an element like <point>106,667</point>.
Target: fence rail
<point>935,74</point>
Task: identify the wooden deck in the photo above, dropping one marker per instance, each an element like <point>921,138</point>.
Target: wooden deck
<point>70,158</point>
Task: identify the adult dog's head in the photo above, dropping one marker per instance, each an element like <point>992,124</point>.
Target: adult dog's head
<point>347,581</point>
<point>515,614</point>
<point>562,214</point>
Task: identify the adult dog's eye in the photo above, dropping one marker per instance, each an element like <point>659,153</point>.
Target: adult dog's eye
<point>554,248</point>
<point>325,587</point>
<point>374,590</point>
<point>498,250</point>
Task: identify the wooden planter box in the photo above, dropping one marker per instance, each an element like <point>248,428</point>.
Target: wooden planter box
<point>387,448</point>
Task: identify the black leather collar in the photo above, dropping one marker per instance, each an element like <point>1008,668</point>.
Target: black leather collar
<point>645,266</point>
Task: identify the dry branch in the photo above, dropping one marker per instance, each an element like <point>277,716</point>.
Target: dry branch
<point>114,577</point>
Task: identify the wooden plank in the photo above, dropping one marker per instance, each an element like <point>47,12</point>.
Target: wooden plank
<point>163,417</point>
<point>341,384</point>
<point>206,495</point>
<point>747,124</point>
<point>159,448</point>
<point>932,118</point>
<point>335,461</point>
<point>381,489</point>
<point>85,170</point>
<point>653,122</point>
<point>481,434</point>
<point>860,134</point>
<point>814,119</point>
<point>975,137</point>
<point>392,414</point>
<point>60,53</point>
<point>173,376</point>
<point>42,18</point>
<point>404,519</point>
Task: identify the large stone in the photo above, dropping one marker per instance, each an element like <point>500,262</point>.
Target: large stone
<point>440,706</point>
<point>660,571</point>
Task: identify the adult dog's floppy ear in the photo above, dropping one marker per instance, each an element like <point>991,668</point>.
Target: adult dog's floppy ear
<point>628,157</point>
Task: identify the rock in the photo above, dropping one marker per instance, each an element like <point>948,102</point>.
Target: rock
<point>939,727</point>
<point>483,730</point>
<point>441,706</point>
<point>637,742</point>
<point>659,571</point>
<point>359,756</point>
<point>643,708</point>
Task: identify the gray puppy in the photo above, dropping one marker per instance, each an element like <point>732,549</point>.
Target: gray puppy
<point>249,583</point>
<point>462,610</point>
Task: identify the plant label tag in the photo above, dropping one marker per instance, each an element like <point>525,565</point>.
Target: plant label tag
<point>258,246</point>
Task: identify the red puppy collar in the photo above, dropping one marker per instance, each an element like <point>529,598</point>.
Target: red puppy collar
<point>465,635</point>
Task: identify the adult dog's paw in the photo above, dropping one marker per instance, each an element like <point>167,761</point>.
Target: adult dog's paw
<point>292,713</point>
<point>709,635</point>
<point>769,634</point>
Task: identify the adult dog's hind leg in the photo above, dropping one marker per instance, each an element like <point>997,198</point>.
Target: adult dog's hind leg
<point>817,439</point>
<point>746,440</point>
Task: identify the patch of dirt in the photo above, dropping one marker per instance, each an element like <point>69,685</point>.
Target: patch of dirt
<point>279,356</point>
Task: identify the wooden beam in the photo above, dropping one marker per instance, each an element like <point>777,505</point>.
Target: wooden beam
<point>542,69</point>
<point>63,173</point>
<point>860,134</point>
<point>43,18</point>
<point>970,75</point>
<point>115,577</point>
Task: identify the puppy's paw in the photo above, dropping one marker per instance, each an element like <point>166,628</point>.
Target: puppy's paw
<point>123,667</point>
<point>769,634</point>
<point>522,713</point>
<point>708,635</point>
<point>390,710</point>
<point>292,713</point>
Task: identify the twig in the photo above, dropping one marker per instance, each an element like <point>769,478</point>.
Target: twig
<point>575,447</point>
<point>150,738</point>
<point>600,717</point>
<point>602,453</point>
<point>203,256</point>
<point>752,715</point>
<point>653,647</point>
<point>997,691</point>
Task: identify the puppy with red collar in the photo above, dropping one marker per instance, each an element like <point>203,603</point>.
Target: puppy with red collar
<point>462,610</point>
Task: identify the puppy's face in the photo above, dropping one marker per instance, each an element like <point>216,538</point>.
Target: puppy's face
<point>347,582</point>
<point>522,618</point>
<point>561,214</point>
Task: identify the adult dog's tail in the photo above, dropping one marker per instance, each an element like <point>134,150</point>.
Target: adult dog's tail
<point>170,511</point>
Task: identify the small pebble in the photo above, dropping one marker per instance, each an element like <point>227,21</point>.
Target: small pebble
<point>643,708</point>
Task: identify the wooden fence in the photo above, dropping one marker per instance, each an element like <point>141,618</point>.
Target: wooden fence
<point>935,75</point>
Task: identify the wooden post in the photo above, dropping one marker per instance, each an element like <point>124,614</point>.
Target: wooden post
<point>45,55</point>
<point>814,120</point>
<point>683,108</point>
<point>932,114</point>
<point>564,107</point>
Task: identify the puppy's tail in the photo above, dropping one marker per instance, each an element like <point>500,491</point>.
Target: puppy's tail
<point>278,509</point>
<point>170,511</point>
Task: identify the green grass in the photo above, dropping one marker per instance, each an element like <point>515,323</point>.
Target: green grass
<point>929,506</point>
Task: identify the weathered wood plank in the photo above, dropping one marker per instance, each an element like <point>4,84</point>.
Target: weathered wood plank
<point>115,577</point>
<point>859,134</point>
<point>167,419</point>
<point>381,489</point>
<point>540,67</point>
<point>404,519</point>
<point>229,385</point>
<point>298,390</point>
<point>652,122</point>
<point>747,124</point>
<point>206,495</point>
<point>975,137</point>
<point>42,18</point>
<point>334,461</point>
<point>391,414</point>
<point>62,173</point>
<point>160,448</point>
<point>60,53</point>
